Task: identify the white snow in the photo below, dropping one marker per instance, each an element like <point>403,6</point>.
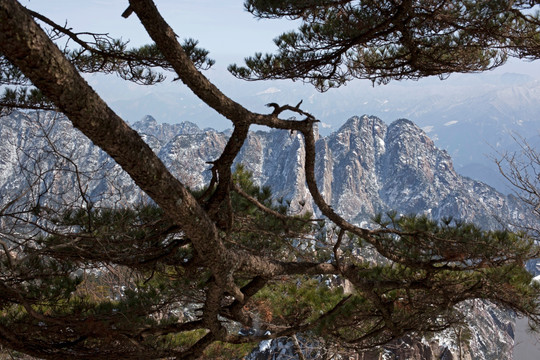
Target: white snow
<point>264,345</point>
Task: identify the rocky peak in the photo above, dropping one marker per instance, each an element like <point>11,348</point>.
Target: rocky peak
<point>146,121</point>
<point>416,175</point>
<point>346,165</point>
<point>162,131</point>
<point>179,154</point>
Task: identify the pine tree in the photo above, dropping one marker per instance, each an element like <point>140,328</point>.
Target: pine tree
<point>109,283</point>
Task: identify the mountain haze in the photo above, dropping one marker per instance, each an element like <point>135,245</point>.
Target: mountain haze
<point>470,116</point>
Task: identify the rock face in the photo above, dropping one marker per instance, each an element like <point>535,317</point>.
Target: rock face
<point>404,348</point>
<point>364,168</point>
<point>367,167</point>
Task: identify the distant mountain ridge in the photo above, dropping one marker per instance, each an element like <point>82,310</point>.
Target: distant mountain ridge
<point>471,116</point>
<point>363,168</point>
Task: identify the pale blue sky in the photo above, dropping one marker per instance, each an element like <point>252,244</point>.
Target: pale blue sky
<point>225,29</point>
<point>221,26</point>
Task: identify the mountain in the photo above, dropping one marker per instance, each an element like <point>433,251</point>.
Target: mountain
<point>363,168</point>
<point>471,116</point>
<point>368,167</point>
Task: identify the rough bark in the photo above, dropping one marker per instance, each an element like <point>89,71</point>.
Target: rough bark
<point>26,45</point>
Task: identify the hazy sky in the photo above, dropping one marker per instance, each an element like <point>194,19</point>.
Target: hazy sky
<point>222,26</point>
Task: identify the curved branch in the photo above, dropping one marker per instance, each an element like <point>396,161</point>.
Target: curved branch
<point>49,70</point>
<point>282,217</point>
<point>129,56</point>
<point>11,262</point>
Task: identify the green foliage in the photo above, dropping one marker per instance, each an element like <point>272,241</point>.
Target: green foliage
<point>9,74</point>
<point>184,340</point>
<point>126,270</point>
<point>225,351</point>
<point>139,237</point>
<point>95,53</point>
<point>451,242</point>
<point>262,231</point>
<point>341,40</point>
<point>25,98</point>
<point>108,55</point>
<point>296,300</point>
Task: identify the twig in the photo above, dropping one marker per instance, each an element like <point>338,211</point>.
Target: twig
<point>11,262</point>
<point>297,348</point>
<point>336,248</point>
